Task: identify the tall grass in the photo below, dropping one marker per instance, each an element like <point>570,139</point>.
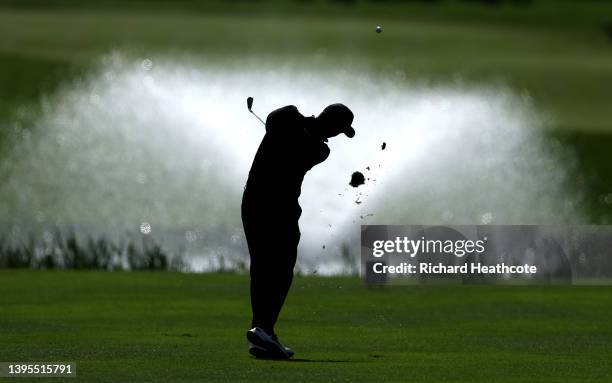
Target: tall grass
<point>67,251</point>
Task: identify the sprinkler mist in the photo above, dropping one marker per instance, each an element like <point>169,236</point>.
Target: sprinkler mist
<point>127,146</point>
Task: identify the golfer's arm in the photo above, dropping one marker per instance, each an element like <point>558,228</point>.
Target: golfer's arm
<point>314,151</point>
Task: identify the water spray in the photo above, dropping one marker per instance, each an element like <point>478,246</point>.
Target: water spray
<point>166,135</point>
<point>250,105</point>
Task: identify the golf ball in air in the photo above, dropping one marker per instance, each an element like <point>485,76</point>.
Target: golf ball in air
<point>378,29</point>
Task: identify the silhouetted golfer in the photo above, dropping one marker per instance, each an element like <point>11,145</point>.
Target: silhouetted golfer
<point>292,145</point>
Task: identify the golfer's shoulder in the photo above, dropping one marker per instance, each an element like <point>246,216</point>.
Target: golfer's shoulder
<point>287,115</point>
<point>288,110</point>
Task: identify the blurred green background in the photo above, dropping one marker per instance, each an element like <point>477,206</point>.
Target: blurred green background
<point>558,53</point>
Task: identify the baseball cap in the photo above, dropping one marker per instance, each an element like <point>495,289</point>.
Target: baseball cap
<point>340,115</point>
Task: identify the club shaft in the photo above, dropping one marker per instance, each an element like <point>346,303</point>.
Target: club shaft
<point>258,117</point>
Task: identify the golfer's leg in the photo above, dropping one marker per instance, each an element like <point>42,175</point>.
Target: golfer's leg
<point>284,272</point>
<point>262,294</point>
<point>284,280</point>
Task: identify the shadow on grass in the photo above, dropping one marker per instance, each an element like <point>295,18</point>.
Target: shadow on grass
<point>320,360</point>
<point>303,360</point>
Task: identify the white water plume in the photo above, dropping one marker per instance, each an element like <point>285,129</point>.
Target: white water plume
<point>168,146</point>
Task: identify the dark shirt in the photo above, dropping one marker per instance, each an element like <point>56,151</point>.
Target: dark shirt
<point>288,150</point>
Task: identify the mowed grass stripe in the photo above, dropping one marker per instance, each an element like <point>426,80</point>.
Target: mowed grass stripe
<point>188,327</point>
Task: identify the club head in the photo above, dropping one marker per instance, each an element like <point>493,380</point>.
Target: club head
<point>249,103</point>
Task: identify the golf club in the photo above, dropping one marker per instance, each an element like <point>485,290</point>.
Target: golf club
<point>250,105</point>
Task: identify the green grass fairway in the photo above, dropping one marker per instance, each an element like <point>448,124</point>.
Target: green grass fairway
<point>186,327</point>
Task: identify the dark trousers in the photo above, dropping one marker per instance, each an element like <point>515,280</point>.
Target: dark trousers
<point>272,239</point>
